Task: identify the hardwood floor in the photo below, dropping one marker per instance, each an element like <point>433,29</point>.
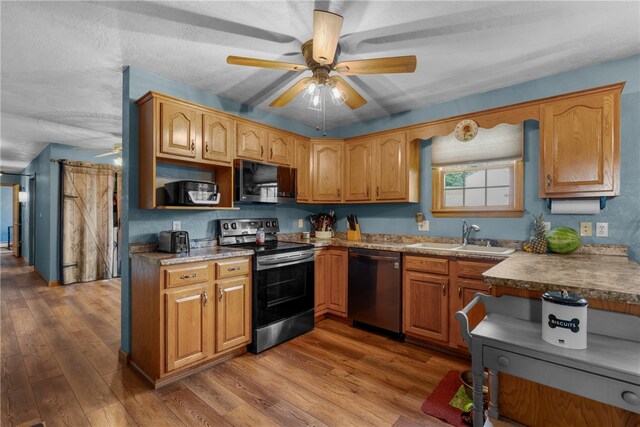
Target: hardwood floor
<point>60,365</point>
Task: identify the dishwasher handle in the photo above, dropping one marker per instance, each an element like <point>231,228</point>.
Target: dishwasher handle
<point>373,257</point>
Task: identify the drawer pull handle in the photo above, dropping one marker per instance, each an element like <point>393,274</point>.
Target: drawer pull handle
<point>233,268</point>
<point>193,145</point>
<point>261,151</point>
<point>220,294</point>
<point>459,292</point>
<point>504,362</point>
<point>206,147</point>
<point>271,153</point>
<point>444,290</point>
<point>189,276</point>
<point>548,181</point>
<point>631,398</point>
<point>205,298</point>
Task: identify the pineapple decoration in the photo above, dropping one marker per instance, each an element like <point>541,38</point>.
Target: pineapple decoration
<point>538,241</point>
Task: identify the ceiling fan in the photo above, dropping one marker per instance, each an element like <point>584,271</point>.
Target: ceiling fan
<point>321,56</point>
<point>117,149</point>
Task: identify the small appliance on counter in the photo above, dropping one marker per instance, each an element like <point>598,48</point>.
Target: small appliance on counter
<point>175,242</point>
<point>192,193</point>
<point>564,320</point>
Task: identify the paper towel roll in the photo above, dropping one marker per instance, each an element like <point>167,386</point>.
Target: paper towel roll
<point>575,206</point>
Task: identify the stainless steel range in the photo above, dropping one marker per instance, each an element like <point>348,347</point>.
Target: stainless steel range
<point>283,281</point>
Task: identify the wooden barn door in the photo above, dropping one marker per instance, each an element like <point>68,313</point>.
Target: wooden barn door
<point>87,222</point>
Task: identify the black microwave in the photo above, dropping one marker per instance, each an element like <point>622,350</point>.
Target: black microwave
<point>257,182</point>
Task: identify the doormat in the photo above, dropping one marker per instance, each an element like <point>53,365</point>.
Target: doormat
<point>437,403</point>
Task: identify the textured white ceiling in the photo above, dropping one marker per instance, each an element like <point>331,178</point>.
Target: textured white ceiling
<point>62,61</point>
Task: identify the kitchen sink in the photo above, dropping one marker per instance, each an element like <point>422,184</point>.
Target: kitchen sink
<point>455,247</point>
<point>484,249</point>
<point>437,246</point>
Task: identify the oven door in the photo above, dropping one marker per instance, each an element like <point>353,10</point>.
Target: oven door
<point>282,291</point>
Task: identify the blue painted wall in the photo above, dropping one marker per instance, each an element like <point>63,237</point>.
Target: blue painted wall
<point>6,212</point>
<point>622,212</point>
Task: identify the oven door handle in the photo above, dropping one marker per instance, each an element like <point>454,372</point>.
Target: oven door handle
<point>288,260</point>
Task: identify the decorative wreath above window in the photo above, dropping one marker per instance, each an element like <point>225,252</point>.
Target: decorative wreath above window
<point>466,130</point>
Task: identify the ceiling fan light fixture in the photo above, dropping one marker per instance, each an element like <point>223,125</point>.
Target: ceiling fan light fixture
<point>338,95</point>
<point>312,88</point>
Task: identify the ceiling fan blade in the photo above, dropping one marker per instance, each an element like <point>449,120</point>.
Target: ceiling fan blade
<point>289,94</point>
<point>263,63</point>
<point>354,99</point>
<point>111,153</point>
<point>326,32</point>
<point>395,64</point>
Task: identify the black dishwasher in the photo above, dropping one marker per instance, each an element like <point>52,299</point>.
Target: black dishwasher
<point>375,288</point>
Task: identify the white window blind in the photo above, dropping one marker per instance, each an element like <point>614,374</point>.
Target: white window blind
<point>502,142</point>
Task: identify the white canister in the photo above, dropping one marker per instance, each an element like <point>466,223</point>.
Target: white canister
<point>564,320</point>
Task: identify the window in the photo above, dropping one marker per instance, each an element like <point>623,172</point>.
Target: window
<point>488,190</point>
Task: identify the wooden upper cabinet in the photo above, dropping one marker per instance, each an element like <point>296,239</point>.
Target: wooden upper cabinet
<point>580,145</point>
<point>250,141</point>
<point>233,309</point>
<point>217,138</point>
<point>189,323</point>
<point>391,167</point>
<point>326,170</point>
<point>178,128</point>
<point>280,148</point>
<point>357,170</point>
<point>303,166</point>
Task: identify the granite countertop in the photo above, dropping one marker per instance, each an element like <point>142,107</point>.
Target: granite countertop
<point>195,255</point>
<point>613,278</point>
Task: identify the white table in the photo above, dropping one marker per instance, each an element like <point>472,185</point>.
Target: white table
<point>509,340</point>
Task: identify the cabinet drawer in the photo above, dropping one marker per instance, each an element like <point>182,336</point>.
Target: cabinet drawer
<point>426,264</point>
<point>188,274</point>
<point>232,268</point>
<point>597,387</point>
<point>473,269</point>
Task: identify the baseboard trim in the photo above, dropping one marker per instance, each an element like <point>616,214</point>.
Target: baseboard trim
<point>55,283</point>
<point>123,356</point>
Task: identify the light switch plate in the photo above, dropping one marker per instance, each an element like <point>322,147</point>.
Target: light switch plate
<point>586,229</point>
<point>602,229</point>
<point>423,226</point>
<point>176,225</point>
<point>300,223</point>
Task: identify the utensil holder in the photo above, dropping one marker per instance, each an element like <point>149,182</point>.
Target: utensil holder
<point>354,234</point>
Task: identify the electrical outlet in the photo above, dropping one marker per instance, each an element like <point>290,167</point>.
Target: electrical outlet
<point>586,229</point>
<point>602,229</point>
<point>423,226</point>
<point>547,226</point>
<point>300,223</point>
<point>176,225</point>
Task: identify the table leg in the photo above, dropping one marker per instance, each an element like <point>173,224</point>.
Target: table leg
<point>478,407</point>
<point>494,384</point>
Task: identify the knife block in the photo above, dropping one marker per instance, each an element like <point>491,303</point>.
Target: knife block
<point>354,234</point>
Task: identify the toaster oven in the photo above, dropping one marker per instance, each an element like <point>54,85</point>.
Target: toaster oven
<point>192,193</point>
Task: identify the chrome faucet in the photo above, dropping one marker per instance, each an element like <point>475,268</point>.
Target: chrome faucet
<point>466,230</point>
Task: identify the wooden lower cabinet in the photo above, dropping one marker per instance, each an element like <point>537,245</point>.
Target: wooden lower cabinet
<point>185,316</point>
<point>435,288</point>
<point>233,313</point>
<point>331,278</point>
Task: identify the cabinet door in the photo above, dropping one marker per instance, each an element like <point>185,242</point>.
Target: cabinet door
<point>250,141</point>
<point>217,138</point>
<point>391,167</point>
<point>178,127</point>
<point>357,171</point>
<point>327,171</point>
<point>321,279</point>
<point>233,311</point>
<point>303,165</point>
<point>337,298</point>
<point>280,148</point>
<point>464,293</point>
<point>580,147</point>
<point>189,322</point>
<point>426,305</point>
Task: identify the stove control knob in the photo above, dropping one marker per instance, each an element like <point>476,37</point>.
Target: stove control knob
<point>226,226</point>
<point>267,224</point>
<point>274,224</point>
<point>234,225</point>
